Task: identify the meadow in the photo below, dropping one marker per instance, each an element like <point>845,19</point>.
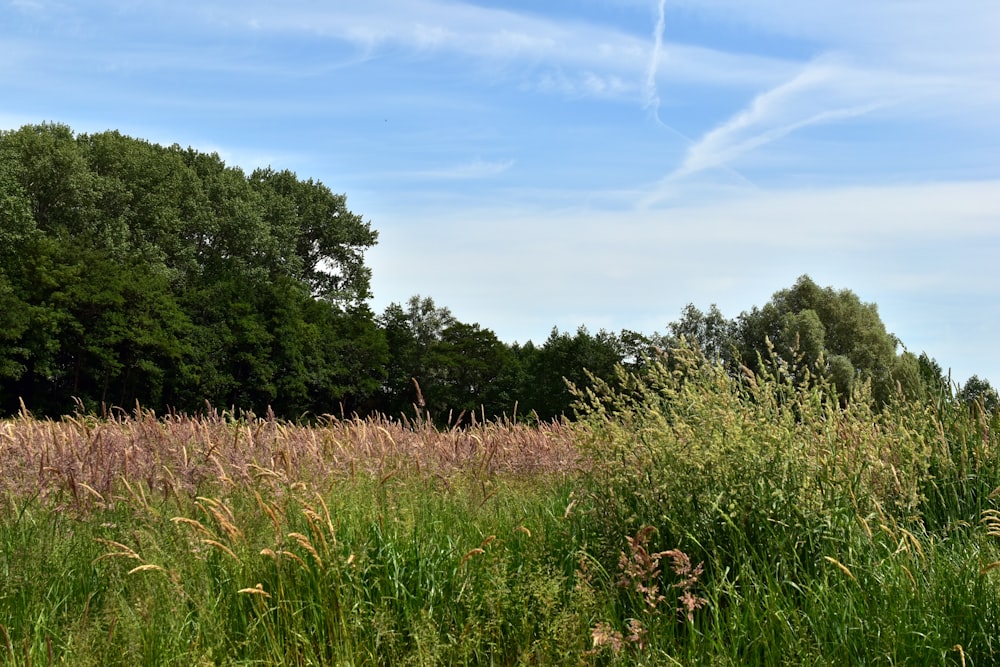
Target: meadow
<point>688,516</point>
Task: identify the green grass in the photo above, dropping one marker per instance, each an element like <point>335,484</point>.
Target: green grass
<point>830,535</point>
<point>688,519</point>
<point>406,571</point>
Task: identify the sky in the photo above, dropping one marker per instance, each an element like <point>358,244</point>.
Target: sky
<point>532,165</point>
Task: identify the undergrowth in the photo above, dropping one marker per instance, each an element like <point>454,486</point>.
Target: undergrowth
<point>689,516</point>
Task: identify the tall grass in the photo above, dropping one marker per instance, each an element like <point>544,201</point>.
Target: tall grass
<point>688,517</point>
<point>830,532</point>
<point>244,541</point>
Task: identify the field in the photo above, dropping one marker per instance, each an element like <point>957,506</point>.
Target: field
<point>687,517</point>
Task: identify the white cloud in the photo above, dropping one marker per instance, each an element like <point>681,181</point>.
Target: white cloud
<point>29,5</point>
<point>583,83</point>
<point>519,272</point>
<point>819,94</point>
<point>832,89</point>
<point>895,25</point>
<point>580,51</point>
<point>652,96</point>
<point>473,169</point>
<point>728,235</point>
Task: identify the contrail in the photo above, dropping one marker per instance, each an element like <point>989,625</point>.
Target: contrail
<point>652,96</point>
<point>652,101</point>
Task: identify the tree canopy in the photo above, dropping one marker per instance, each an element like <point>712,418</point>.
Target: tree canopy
<point>137,273</point>
<point>830,331</point>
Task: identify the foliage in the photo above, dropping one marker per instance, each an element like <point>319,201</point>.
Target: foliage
<point>234,539</point>
<point>710,332</point>
<point>562,361</point>
<point>806,321</point>
<point>137,273</point>
<point>821,514</point>
<point>132,272</point>
<point>441,367</point>
<point>979,391</point>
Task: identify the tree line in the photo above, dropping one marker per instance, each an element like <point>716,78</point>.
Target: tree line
<point>133,273</point>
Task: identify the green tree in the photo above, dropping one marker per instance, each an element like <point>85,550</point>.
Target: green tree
<point>636,350</point>
<point>803,338</point>
<point>469,361</point>
<point>936,386</point>
<point>710,332</point>
<point>567,359</point>
<point>318,240</point>
<point>441,366</point>
<point>410,333</point>
<point>17,236</point>
<point>978,391</point>
<point>806,320</point>
<point>351,356</point>
<point>136,272</point>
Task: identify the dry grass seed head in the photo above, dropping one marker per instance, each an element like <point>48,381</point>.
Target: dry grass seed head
<point>223,516</point>
<point>472,552</point>
<point>304,542</point>
<point>840,566</point>
<point>222,547</point>
<point>124,551</point>
<point>194,523</point>
<point>256,590</point>
<point>603,635</point>
<point>294,556</point>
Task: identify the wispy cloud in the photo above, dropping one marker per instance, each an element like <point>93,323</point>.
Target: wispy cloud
<point>652,97</point>
<point>734,251</point>
<point>914,62</point>
<point>554,55</point>
<point>929,32</point>
<point>814,96</point>
<point>582,83</point>
<point>473,169</point>
<point>29,5</point>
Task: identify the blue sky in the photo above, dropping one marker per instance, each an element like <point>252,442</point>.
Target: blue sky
<point>597,162</point>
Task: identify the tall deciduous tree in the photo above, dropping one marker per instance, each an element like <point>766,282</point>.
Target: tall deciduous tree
<point>710,332</point>
<point>131,271</point>
<point>979,392</point>
<point>806,320</point>
<point>439,365</point>
<point>566,359</point>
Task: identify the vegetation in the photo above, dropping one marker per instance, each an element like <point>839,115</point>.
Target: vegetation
<point>133,272</point>
<point>136,273</point>
<point>787,487</point>
<point>687,517</point>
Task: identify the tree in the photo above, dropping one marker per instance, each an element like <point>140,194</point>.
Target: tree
<point>468,361</point>
<point>935,385</point>
<point>351,359</point>
<point>567,359</point>
<point>319,240</point>
<point>131,271</point>
<point>710,332</point>
<point>410,333</point>
<point>17,234</point>
<point>803,338</point>
<point>439,365</point>
<point>807,323</point>
<point>978,391</point>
